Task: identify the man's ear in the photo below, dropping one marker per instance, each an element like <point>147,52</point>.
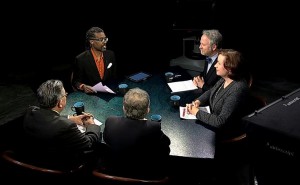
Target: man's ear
<point>59,104</point>
<point>214,47</point>
<point>148,109</point>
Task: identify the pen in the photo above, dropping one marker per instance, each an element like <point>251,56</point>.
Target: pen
<point>183,113</point>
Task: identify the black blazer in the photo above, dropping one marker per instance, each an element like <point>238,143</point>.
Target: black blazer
<point>211,77</point>
<point>55,141</point>
<point>138,148</point>
<point>85,69</point>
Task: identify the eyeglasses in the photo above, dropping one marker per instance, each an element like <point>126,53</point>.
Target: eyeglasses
<point>104,39</point>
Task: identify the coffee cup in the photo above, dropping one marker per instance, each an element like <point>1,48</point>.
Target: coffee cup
<point>123,88</point>
<point>175,100</point>
<point>155,117</point>
<point>78,107</point>
<point>169,76</point>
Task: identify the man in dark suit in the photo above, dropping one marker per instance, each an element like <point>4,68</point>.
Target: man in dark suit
<point>52,140</point>
<point>94,65</point>
<point>210,44</point>
<point>138,147</point>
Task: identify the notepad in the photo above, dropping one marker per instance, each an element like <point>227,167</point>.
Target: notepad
<point>180,86</point>
<point>185,115</point>
<point>137,77</point>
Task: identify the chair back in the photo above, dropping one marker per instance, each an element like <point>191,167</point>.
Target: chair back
<point>20,167</point>
<point>255,103</point>
<point>112,179</point>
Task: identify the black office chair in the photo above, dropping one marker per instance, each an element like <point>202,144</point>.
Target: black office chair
<point>71,82</point>
<point>17,167</point>
<point>102,176</point>
<point>112,179</point>
<point>236,143</point>
<point>255,103</point>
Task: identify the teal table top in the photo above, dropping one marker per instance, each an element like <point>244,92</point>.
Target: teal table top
<point>188,138</point>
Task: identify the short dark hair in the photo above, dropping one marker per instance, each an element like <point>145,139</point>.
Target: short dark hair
<point>90,34</point>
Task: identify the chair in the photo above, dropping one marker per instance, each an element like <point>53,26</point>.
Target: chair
<point>17,166</point>
<point>256,102</point>
<point>111,179</point>
<point>71,81</point>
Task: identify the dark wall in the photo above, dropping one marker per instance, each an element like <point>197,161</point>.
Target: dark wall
<point>42,40</point>
<point>266,33</point>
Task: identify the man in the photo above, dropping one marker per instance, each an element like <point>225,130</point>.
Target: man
<point>94,65</point>
<point>53,140</point>
<point>138,147</point>
<point>210,43</point>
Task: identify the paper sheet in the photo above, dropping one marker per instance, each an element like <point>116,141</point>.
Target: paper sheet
<point>99,87</point>
<point>186,85</point>
<point>83,129</point>
<point>185,115</point>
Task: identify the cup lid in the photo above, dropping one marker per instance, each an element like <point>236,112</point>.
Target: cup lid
<point>175,97</point>
<point>155,117</point>
<point>169,74</point>
<point>78,104</point>
<point>123,85</point>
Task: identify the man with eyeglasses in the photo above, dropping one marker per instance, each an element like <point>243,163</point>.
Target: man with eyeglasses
<point>96,64</point>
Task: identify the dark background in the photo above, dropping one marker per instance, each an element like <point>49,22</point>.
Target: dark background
<point>41,40</point>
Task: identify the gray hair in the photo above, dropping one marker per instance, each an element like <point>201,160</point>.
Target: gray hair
<point>49,93</point>
<point>136,103</point>
<point>215,37</point>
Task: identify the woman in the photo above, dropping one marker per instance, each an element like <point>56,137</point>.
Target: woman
<point>228,103</point>
<point>228,97</point>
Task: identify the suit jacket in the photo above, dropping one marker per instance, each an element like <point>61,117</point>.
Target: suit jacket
<point>85,69</point>
<point>227,108</point>
<point>211,77</point>
<point>55,141</point>
<point>138,148</point>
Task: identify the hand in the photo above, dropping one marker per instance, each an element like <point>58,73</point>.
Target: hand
<point>198,81</point>
<point>87,118</point>
<point>196,103</point>
<point>83,118</point>
<point>191,109</point>
<point>88,89</point>
<point>77,119</point>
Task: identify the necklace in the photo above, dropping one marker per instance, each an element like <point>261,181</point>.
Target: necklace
<point>222,86</point>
